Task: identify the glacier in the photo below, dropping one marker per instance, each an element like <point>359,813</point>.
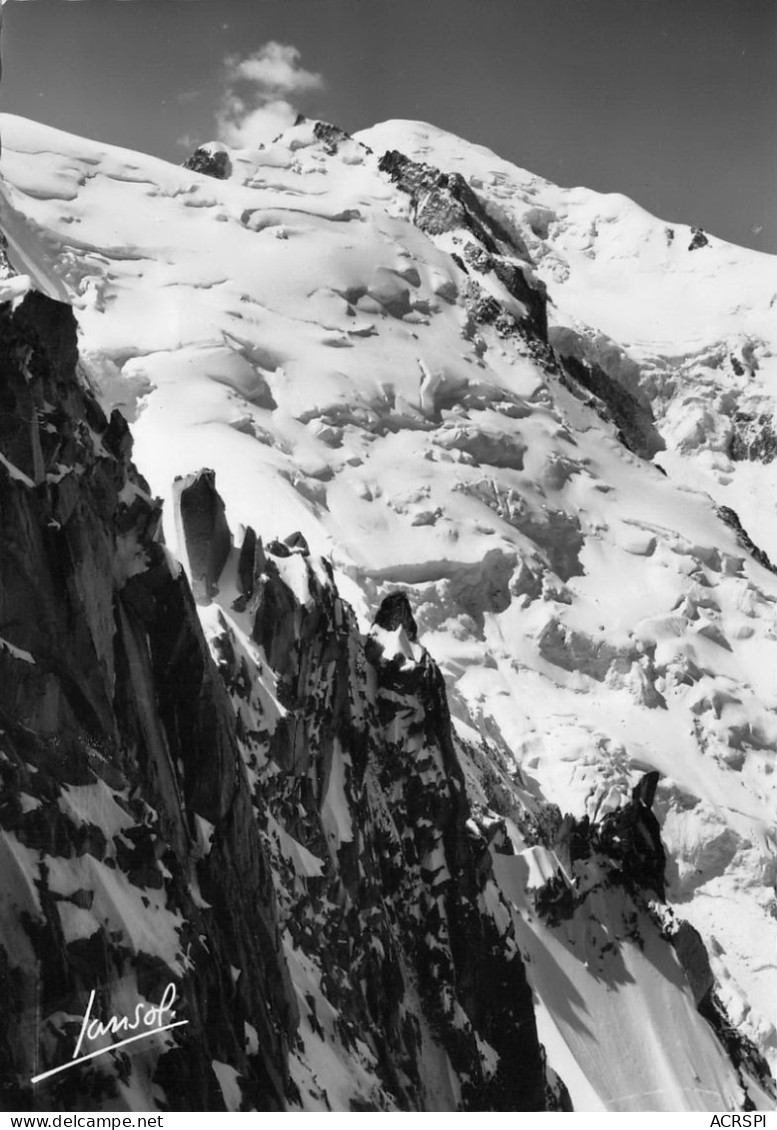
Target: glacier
<point>544,418</point>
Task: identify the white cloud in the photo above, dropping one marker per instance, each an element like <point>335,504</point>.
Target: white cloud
<point>258,88</point>
<point>274,68</point>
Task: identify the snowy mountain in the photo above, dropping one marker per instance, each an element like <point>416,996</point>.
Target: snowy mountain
<point>466,474</point>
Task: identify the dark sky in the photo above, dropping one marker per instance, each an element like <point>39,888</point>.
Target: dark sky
<point>673,102</point>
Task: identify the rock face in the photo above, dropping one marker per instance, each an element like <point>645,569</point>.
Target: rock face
<point>753,438</point>
<point>395,612</point>
<point>444,202</point>
<point>132,855</point>
<point>694,959</point>
<point>634,420</point>
<point>388,897</point>
<point>329,135</point>
<point>632,837</point>
<point>731,518</point>
<point>205,533</point>
<point>699,239</point>
<point>213,163</point>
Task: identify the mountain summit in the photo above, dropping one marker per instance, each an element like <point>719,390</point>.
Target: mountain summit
<point>439,774</point>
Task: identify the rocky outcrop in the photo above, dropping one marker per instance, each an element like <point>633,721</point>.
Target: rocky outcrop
<point>631,837</point>
<point>692,955</point>
<point>331,137</point>
<point>625,842</point>
<point>395,612</point>
<point>389,893</point>
<point>444,202</point>
<point>634,420</point>
<point>731,518</point>
<point>497,258</point>
<point>698,239</point>
<point>200,517</point>
<point>132,855</point>
<point>211,160</point>
<point>753,437</point>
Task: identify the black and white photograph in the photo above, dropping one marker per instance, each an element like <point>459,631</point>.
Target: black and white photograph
<point>388,558</point>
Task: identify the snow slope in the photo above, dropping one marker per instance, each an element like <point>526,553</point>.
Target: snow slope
<point>691,331</point>
<point>293,329</point>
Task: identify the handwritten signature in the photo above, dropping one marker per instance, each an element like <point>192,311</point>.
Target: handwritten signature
<point>147,1020</point>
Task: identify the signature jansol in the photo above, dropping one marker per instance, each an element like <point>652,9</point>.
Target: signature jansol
<point>145,1020</point>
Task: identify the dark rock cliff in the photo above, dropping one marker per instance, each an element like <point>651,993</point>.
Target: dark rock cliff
<point>132,857</point>
<point>393,909</point>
